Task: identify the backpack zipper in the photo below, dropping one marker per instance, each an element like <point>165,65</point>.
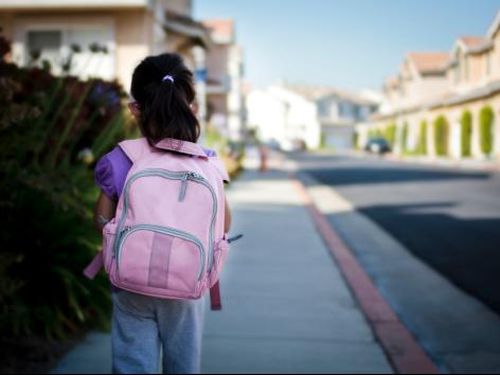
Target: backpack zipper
<point>183,176</point>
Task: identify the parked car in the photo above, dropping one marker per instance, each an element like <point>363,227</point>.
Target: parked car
<point>377,145</point>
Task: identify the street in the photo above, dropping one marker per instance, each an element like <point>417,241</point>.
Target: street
<point>449,219</point>
<point>301,313</point>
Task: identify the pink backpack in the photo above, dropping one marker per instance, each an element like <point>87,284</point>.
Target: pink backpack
<point>167,239</point>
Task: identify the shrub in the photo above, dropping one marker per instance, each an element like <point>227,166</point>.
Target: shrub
<point>486,117</point>
<point>355,140</point>
<point>466,133</point>
<point>441,136</point>
<point>390,134</point>
<point>51,131</point>
<point>404,137</point>
<point>422,139</point>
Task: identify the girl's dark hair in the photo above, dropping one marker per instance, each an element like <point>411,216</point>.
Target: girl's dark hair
<point>164,103</point>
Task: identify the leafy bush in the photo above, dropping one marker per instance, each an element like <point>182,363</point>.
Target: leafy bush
<point>355,140</point>
<point>441,136</point>
<point>422,139</point>
<point>486,117</point>
<point>51,131</point>
<point>404,137</point>
<point>466,133</point>
<point>231,153</point>
<point>390,134</point>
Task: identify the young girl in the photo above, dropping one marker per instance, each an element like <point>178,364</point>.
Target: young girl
<point>143,326</point>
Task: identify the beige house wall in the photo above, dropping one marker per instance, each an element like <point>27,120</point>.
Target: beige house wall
<point>474,71</point>
<point>432,87</point>
<point>6,22</point>
<point>478,69</point>
<point>21,22</point>
<point>133,43</point>
<point>131,29</point>
<point>453,115</point>
<point>495,56</point>
<point>217,62</point>
<point>177,6</point>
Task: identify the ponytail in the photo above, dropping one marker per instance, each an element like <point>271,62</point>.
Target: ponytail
<point>163,88</point>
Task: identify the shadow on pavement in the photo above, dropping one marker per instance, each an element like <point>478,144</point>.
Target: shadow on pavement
<point>468,252</point>
<point>384,174</point>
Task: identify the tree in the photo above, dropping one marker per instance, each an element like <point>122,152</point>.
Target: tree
<point>390,134</point>
<point>422,138</point>
<point>466,133</point>
<point>486,117</point>
<point>441,135</point>
<point>404,137</point>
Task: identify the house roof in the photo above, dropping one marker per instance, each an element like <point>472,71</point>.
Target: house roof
<point>71,4</point>
<point>221,30</point>
<point>392,81</point>
<point>429,62</point>
<point>474,44</point>
<point>319,92</point>
<point>494,26</point>
<point>184,25</point>
<point>472,41</point>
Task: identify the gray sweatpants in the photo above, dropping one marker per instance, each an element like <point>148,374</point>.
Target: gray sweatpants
<point>143,327</point>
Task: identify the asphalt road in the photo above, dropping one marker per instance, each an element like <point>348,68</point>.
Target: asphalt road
<point>448,218</point>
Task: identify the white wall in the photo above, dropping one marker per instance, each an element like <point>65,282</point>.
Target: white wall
<point>282,115</point>
<point>266,114</point>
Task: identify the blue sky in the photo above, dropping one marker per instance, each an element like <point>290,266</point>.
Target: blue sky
<point>350,44</point>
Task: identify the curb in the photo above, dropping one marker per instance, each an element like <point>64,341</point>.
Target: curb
<point>448,163</point>
<point>402,350</point>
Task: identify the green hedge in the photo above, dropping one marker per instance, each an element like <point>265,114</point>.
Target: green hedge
<point>422,139</point>
<point>404,137</point>
<point>486,117</point>
<point>390,134</point>
<point>441,134</point>
<point>52,130</point>
<point>355,140</point>
<point>466,133</point>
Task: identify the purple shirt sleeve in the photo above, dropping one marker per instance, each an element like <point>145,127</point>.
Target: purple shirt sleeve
<point>209,152</point>
<point>111,171</point>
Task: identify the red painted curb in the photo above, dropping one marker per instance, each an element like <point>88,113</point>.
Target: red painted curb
<point>404,353</point>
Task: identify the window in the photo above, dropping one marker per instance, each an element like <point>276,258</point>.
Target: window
<point>94,58</point>
<point>45,45</point>
<point>323,109</point>
<point>85,51</point>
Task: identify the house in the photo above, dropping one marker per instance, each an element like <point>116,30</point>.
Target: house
<point>451,86</point>
<point>338,112</point>
<point>284,117</point>
<point>314,116</point>
<point>224,79</point>
<point>101,38</point>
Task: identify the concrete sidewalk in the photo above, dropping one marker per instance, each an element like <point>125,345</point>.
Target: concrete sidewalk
<point>286,307</point>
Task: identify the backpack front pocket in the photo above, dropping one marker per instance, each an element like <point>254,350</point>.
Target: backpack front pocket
<point>160,257</point>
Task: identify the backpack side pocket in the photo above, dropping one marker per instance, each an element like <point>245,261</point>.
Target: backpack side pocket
<point>108,240</point>
<point>220,256</point>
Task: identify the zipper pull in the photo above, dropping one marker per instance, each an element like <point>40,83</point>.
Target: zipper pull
<point>125,229</point>
<point>195,176</point>
<point>182,191</point>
